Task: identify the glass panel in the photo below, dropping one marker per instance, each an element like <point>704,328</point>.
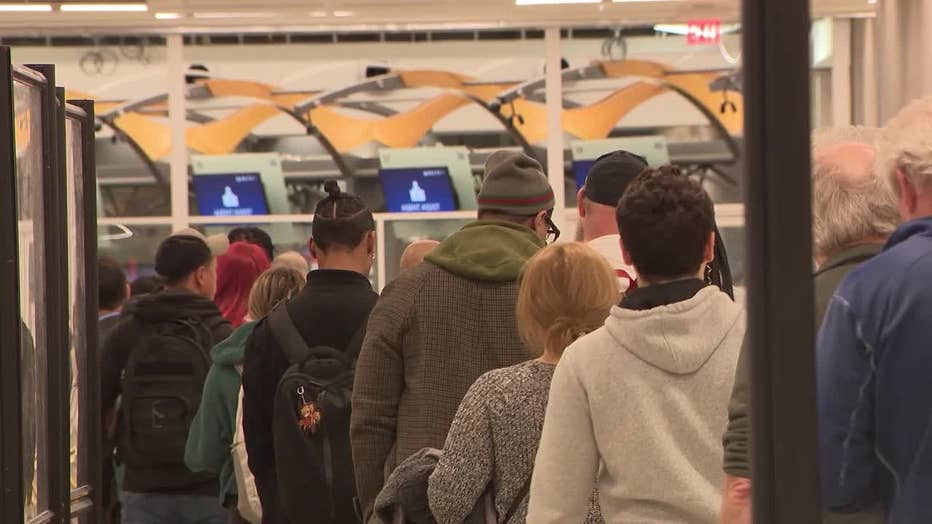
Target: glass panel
<point>400,233</point>
<point>133,246</point>
<point>285,237</point>
<point>734,239</point>
<point>28,108</point>
<point>77,289</point>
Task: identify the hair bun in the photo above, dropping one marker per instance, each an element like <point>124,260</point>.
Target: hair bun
<point>332,188</point>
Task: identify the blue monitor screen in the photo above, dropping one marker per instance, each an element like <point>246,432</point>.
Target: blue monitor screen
<point>417,190</point>
<point>581,170</point>
<point>226,195</point>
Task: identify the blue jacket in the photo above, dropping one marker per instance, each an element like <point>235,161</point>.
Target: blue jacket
<point>874,362</point>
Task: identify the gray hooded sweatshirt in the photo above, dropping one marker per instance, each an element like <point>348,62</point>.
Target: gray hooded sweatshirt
<point>641,405</point>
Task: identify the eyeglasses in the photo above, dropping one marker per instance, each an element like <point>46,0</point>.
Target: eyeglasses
<point>553,232</point>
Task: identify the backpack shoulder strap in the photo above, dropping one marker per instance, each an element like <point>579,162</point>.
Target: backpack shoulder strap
<point>520,498</point>
<point>287,336</point>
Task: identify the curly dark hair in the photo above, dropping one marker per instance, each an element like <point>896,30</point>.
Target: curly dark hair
<point>341,219</point>
<point>665,220</point>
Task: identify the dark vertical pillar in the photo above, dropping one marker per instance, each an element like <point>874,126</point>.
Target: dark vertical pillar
<point>776,89</point>
<point>90,387</point>
<point>56,463</point>
<point>11,446</point>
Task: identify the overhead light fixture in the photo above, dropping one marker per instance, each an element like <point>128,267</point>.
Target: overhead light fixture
<point>26,8</point>
<point>555,2</point>
<point>216,15</point>
<point>343,14</point>
<point>167,16</point>
<point>643,1</point>
<point>104,8</point>
<point>319,14</point>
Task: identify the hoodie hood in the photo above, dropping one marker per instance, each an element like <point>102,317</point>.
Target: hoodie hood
<point>170,305</point>
<point>678,338</point>
<point>920,226</point>
<point>487,250</point>
<point>232,351</point>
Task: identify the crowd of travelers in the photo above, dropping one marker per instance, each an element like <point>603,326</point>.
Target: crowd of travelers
<point>506,377</point>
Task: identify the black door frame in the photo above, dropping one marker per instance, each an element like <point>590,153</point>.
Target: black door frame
<point>11,445</point>
<point>90,459</point>
<point>781,320</point>
<point>56,303</point>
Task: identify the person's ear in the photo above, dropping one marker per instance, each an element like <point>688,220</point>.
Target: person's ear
<point>540,224</point>
<point>908,195</point>
<point>200,276</point>
<point>312,247</point>
<point>370,243</point>
<point>580,202</point>
<point>625,255</point>
<point>708,254</point>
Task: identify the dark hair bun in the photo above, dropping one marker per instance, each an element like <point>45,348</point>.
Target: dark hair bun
<point>332,189</point>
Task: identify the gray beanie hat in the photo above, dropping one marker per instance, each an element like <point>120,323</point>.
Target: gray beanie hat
<point>515,184</point>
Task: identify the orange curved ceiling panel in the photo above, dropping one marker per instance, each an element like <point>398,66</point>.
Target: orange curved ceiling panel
<point>598,120</point>
<point>643,68</point>
<point>443,79</point>
<point>222,137</point>
<point>153,138</point>
<point>407,129</point>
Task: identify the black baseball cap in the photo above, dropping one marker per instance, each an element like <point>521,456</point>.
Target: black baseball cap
<point>610,176</point>
<point>186,250</point>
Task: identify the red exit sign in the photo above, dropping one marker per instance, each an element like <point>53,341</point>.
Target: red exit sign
<point>704,32</point>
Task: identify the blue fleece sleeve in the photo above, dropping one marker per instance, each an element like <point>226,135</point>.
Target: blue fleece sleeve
<point>845,369</point>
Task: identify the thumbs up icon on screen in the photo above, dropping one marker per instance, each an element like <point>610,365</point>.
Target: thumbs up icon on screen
<point>229,198</point>
<point>417,193</point>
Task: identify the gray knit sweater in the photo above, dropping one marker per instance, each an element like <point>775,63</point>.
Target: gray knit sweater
<point>493,438</point>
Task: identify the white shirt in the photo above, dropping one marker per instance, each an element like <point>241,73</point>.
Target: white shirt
<point>609,247</point>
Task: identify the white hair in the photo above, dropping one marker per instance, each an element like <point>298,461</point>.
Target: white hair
<point>905,145</point>
<point>848,207</point>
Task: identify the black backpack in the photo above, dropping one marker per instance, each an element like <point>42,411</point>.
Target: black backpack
<point>313,458</point>
<point>162,385</point>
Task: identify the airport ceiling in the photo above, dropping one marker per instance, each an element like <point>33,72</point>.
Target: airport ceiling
<point>198,16</point>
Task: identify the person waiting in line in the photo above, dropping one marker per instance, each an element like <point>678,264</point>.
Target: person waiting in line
<point>157,358</point>
<point>292,260</point>
<point>212,432</point>
<point>253,235</point>
<point>112,293</point>
<point>872,356</point>
<point>853,213</point>
<point>237,271</point>
<point>596,202</point>
<point>645,396</point>
<point>566,292</point>
<point>146,286</point>
<point>414,254</point>
<point>441,325</point>
<point>331,311</point>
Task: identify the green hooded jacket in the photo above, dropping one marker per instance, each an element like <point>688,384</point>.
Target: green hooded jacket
<point>213,428</point>
<point>487,250</point>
